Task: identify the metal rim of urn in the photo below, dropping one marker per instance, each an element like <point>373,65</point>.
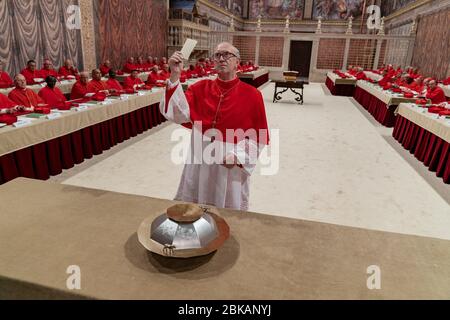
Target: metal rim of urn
<point>169,250</point>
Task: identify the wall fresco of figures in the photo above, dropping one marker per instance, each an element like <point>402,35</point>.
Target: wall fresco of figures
<point>337,9</point>
<point>234,6</point>
<point>276,8</point>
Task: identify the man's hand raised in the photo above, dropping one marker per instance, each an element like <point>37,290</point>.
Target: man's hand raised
<point>176,66</point>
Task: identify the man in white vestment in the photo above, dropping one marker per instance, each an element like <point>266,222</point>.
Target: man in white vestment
<point>229,130</point>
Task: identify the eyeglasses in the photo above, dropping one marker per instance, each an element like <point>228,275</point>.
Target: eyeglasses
<point>224,54</point>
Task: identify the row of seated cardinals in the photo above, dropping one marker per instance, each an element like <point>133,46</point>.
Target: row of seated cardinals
<point>408,81</point>
<point>24,99</point>
<point>68,71</point>
<point>33,75</point>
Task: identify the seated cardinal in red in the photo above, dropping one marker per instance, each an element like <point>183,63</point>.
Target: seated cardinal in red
<point>153,76</point>
<point>105,67</point>
<point>133,82</point>
<point>68,70</point>
<point>5,79</point>
<point>435,93</point>
<point>30,73</point>
<point>112,82</point>
<point>48,70</point>
<point>51,94</point>
<point>80,88</point>
<point>129,66</point>
<point>7,105</point>
<point>96,84</point>
<point>24,96</point>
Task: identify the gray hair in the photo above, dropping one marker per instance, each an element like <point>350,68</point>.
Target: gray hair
<point>236,50</point>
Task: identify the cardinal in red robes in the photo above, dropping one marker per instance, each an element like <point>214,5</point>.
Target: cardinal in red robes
<point>7,105</point>
<point>112,82</point>
<point>80,88</point>
<point>140,65</point>
<point>435,93</point>
<point>417,85</point>
<point>48,70</point>
<point>133,82</point>
<point>153,76</point>
<point>164,74</point>
<point>68,70</point>
<point>129,66</point>
<point>51,94</point>
<point>105,67</point>
<point>96,84</point>
<point>162,62</point>
<point>219,112</point>
<point>148,65</point>
<point>24,96</point>
<point>5,80</point>
<point>30,73</point>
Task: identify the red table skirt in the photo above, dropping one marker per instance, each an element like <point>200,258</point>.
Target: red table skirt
<point>344,90</point>
<point>258,82</point>
<point>49,158</point>
<point>426,147</point>
<point>377,108</point>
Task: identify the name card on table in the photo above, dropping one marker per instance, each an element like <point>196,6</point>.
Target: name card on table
<point>124,97</point>
<point>53,115</point>
<point>106,102</point>
<point>21,123</point>
<point>142,93</point>
<point>81,107</point>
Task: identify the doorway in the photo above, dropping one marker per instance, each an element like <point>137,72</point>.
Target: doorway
<point>300,57</point>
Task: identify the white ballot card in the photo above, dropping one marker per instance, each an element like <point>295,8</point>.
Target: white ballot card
<point>188,47</point>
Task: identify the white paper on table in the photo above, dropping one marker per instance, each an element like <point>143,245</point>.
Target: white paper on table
<point>3,125</point>
<point>188,47</point>
<point>21,123</point>
<point>53,115</point>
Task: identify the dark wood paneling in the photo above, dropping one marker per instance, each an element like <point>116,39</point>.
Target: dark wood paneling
<point>34,29</point>
<point>432,46</point>
<point>130,28</point>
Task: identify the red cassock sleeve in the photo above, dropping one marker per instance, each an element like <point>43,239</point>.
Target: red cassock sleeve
<point>6,103</point>
<point>152,78</point>
<point>130,82</point>
<point>54,97</point>
<point>114,84</point>
<point>5,80</point>
<point>25,98</point>
<point>436,96</point>
<point>78,91</point>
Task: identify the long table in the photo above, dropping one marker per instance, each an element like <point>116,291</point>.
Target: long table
<point>46,146</point>
<point>266,257</point>
<point>65,86</point>
<point>255,78</point>
<point>378,102</point>
<point>143,76</point>
<point>339,86</point>
<point>372,75</point>
<point>426,136</point>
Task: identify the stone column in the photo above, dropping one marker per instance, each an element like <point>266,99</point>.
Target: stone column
<point>258,38</point>
<point>88,34</point>
<point>346,50</point>
<point>377,55</point>
<point>286,51</point>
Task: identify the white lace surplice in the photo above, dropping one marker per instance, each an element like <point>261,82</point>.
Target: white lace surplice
<point>212,184</point>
